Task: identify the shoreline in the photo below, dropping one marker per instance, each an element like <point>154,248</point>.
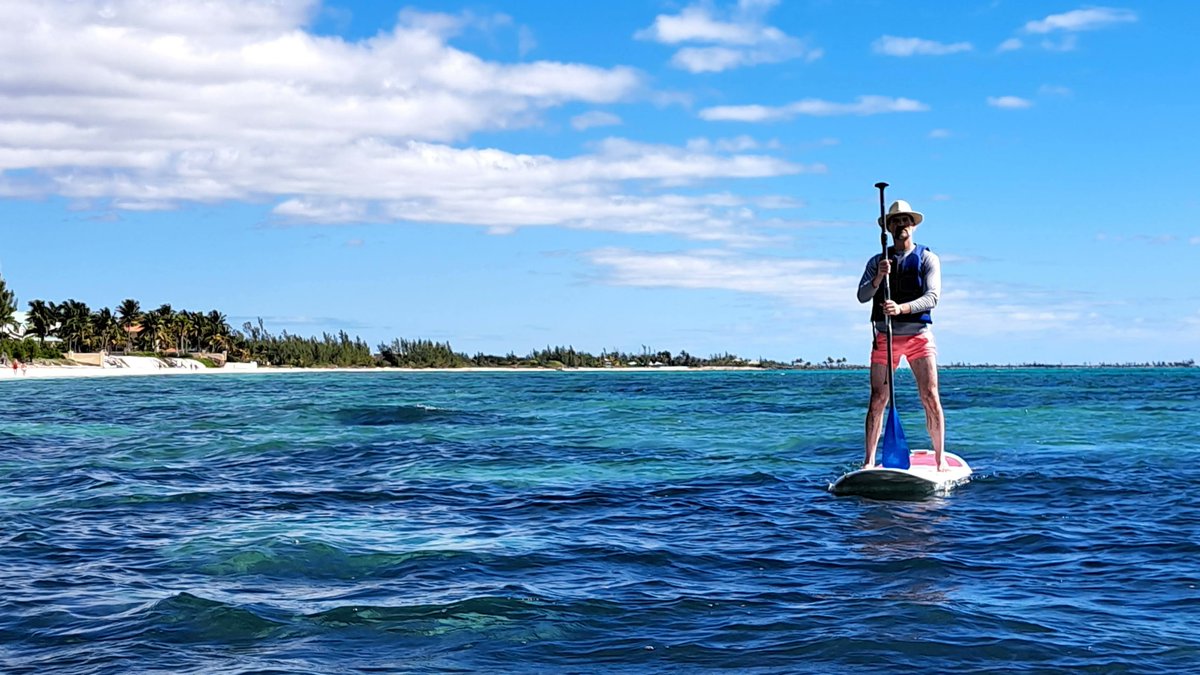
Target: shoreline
<point>48,372</point>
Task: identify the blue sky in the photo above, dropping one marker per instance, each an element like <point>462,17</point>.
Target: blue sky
<point>677,175</point>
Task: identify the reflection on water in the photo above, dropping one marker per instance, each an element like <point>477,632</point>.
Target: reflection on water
<point>904,542</point>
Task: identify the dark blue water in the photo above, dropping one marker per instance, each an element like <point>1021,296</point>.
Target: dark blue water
<point>592,522</point>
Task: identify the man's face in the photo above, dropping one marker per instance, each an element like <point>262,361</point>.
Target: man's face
<point>901,226</point>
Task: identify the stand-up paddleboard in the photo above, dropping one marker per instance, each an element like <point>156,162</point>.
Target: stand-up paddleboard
<point>921,478</point>
<point>904,473</point>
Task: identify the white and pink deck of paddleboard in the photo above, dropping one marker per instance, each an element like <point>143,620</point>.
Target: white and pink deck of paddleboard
<point>921,478</point>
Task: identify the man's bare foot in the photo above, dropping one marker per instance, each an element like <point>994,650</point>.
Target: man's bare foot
<point>943,467</point>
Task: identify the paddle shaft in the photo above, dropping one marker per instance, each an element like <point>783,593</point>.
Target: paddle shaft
<point>887,293</point>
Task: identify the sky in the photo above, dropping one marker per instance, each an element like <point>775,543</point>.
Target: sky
<point>622,175</point>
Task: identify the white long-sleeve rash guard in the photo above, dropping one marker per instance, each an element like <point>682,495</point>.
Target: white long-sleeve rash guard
<point>933,289</point>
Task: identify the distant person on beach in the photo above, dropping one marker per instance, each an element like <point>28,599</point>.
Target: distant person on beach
<point>915,285</point>
<point>15,364</point>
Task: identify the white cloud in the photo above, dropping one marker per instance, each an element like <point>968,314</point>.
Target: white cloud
<point>503,191</point>
<point>526,41</point>
<point>1081,20</point>
<point>1065,43</point>
<point>708,59</point>
<point>260,77</point>
<point>594,118</point>
<point>1060,31</point>
<point>138,105</point>
<point>742,113</point>
<point>970,311</point>
<point>1009,102</point>
<point>814,283</point>
<point>1010,45</point>
<point>736,144</point>
<point>863,105</point>
<point>966,310</point>
<point>327,211</point>
<point>890,45</point>
<point>779,202</point>
<point>741,38</point>
<point>828,287</point>
<point>696,23</point>
<point>973,311</point>
<point>941,133</point>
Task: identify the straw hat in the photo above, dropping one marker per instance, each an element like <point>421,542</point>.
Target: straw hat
<point>900,206</point>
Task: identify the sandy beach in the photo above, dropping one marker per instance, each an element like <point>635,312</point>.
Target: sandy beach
<point>141,366</point>
<point>117,366</point>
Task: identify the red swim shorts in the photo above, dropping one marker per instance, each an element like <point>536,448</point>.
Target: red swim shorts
<point>912,347</point>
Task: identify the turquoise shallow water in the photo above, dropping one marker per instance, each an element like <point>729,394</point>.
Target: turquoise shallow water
<point>579,522</point>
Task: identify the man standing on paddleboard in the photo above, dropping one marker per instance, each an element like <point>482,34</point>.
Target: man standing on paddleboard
<point>916,282</point>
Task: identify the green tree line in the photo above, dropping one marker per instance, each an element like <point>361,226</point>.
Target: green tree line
<point>428,354</point>
<point>255,343</point>
<point>165,330</point>
<point>78,327</point>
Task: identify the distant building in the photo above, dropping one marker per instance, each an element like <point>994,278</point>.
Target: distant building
<point>17,332</point>
<point>21,331</point>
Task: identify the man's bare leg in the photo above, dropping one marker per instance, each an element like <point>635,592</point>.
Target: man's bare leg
<point>925,372</point>
<point>879,401</point>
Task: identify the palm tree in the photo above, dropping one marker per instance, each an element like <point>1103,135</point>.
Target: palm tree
<point>130,313</point>
<point>184,324</point>
<point>151,329</point>
<point>8,308</point>
<point>105,328</point>
<point>75,327</point>
<point>197,329</point>
<point>161,320</point>
<point>216,335</point>
<point>42,319</point>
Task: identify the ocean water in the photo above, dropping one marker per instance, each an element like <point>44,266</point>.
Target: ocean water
<point>593,522</point>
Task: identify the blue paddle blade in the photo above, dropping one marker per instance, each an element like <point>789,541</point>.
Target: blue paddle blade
<point>895,447</point>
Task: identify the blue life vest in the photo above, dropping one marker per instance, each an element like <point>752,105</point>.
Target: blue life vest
<point>908,284</point>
